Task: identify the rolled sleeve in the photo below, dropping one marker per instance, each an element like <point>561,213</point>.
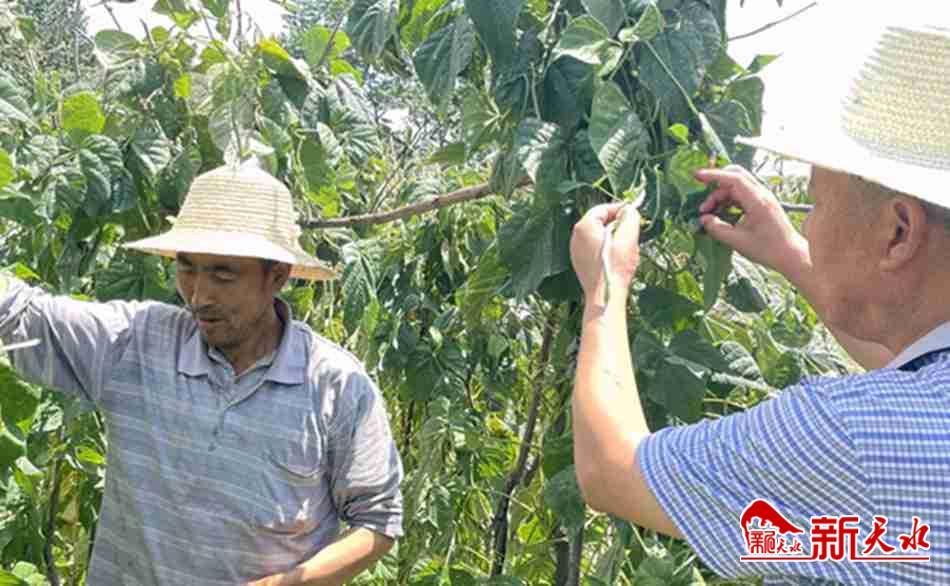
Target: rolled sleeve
<point>791,451</point>
<point>77,338</point>
<point>366,470</point>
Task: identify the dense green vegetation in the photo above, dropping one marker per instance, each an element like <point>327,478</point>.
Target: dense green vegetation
<point>466,314</point>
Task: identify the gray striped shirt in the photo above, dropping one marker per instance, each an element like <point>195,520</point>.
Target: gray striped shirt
<point>212,478</point>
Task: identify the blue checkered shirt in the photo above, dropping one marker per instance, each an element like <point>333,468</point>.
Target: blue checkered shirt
<point>212,478</point>
<point>865,445</point>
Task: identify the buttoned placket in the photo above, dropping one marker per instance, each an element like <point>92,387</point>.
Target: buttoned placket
<point>230,391</point>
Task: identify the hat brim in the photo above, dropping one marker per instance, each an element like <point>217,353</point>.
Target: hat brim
<point>836,151</point>
<point>303,265</point>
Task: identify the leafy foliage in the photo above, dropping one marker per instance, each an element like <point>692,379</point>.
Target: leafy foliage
<point>467,317</point>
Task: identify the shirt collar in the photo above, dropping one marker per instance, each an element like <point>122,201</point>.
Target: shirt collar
<point>288,367</point>
<point>937,339</point>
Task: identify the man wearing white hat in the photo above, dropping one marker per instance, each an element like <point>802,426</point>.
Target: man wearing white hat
<point>239,439</point>
<point>863,460</point>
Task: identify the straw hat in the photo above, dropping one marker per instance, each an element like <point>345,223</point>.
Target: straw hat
<point>241,211</point>
<point>890,124</point>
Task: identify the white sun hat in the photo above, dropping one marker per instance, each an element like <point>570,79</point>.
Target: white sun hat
<point>238,211</point>
<point>889,124</point>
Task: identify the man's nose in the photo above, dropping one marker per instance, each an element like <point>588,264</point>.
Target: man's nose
<point>199,292</point>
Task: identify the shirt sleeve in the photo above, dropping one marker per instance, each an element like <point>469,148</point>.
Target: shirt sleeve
<point>791,451</point>
<point>78,339</point>
<point>365,467</point>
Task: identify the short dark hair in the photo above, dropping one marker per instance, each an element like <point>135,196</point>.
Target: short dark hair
<point>267,264</point>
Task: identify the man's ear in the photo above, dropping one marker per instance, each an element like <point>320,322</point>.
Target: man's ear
<point>905,226</point>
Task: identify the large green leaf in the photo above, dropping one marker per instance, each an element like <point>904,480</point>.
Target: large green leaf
<point>443,56</point>
<point>584,39</point>
<point>678,389</point>
<point>610,13</point>
<point>663,308</point>
<point>132,276</point>
<point>19,208</point>
<point>730,119</point>
<point>685,51</point>
<point>370,25</point>
<point>649,25</point>
<point>13,104</point>
<point>115,41</point>
<point>535,244</point>
<point>514,84</point>
<point>689,345</point>
<point>568,92</point>
<point>540,150</point>
<point>6,169</point>
<point>563,496</point>
<point>18,405</point>
<point>359,284</point>
<point>481,286</point>
<point>82,115</point>
<point>495,21</point>
<point>617,136</point>
<point>151,150</point>
<point>480,121</point>
<point>321,42</point>
<point>682,170</point>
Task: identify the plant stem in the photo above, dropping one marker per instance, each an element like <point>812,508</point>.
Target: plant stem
<point>426,205</point>
<point>326,50</point>
<point>772,24</point>
<point>500,521</point>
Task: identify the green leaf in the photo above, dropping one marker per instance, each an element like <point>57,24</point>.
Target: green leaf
<point>730,119</point>
<point>749,92</point>
<point>689,345</point>
<point>370,25</point>
<point>563,496</point>
<point>451,154</point>
<point>278,59</point>
<point>480,121</point>
<point>18,406</point>
<point>682,170</point>
<point>90,456</point>
<point>219,8</point>
<point>648,351</point>
<point>359,285</point>
<point>740,360</point>
<point>482,286</point>
<point>6,169</point>
<point>8,579</point>
<point>679,132</point>
<point>610,13</point>
<point>535,244</point>
<point>443,56</point>
<point>718,260</point>
<point>151,150</point>
<point>686,51</point>
<point>679,390</point>
<point>584,40</point>
<point>648,26</point>
<point>182,86</point>
<point>617,136</point>
<point>789,330</point>
<point>113,41</point>
<point>513,84</point>
<point>316,44</point>
<point>19,208</point>
<point>539,148</point>
<point>82,115</point>
<point>131,276</point>
<point>744,295</point>
<point>663,308</point>
<point>568,92</point>
<point>496,22</point>
<point>13,104</point>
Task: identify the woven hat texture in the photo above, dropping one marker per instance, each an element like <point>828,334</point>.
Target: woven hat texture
<point>238,211</point>
<point>891,126</point>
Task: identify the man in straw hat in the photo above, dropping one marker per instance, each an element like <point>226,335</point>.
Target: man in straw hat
<point>239,439</point>
<point>853,469</point>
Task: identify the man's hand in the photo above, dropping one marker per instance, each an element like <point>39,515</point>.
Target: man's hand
<point>764,233</point>
<point>587,243</point>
